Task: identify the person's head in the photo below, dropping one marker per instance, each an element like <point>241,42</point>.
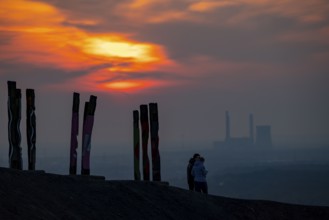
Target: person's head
<point>196,155</point>
<point>202,159</point>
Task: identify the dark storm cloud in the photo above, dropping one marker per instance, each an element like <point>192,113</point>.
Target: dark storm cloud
<point>41,75</point>
<point>262,44</point>
<point>35,76</point>
<point>95,15</point>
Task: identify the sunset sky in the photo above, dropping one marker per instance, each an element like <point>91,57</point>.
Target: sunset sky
<point>195,58</point>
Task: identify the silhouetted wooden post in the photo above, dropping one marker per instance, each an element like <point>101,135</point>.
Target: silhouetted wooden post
<point>14,118</point>
<point>31,128</point>
<point>154,130</point>
<point>137,174</point>
<point>145,137</point>
<point>88,123</point>
<point>74,133</point>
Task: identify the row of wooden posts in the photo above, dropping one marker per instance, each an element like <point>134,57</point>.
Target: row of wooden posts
<point>14,134</point>
<point>87,127</point>
<point>147,126</point>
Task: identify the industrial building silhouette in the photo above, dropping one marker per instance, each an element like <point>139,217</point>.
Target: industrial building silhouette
<point>263,135</point>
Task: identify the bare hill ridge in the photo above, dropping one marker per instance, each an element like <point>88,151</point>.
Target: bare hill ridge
<point>39,195</point>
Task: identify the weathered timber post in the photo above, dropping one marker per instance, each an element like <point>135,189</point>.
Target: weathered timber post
<point>136,148</point>
<point>31,128</point>
<point>74,133</point>
<point>154,130</point>
<point>14,117</point>
<point>145,138</point>
<point>88,123</point>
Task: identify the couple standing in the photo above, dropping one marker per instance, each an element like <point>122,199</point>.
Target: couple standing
<point>196,174</point>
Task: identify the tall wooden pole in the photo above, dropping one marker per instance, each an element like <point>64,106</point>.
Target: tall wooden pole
<point>154,130</point>
<point>31,128</point>
<point>145,138</point>
<point>74,133</point>
<point>14,118</point>
<point>88,123</point>
<point>137,174</point>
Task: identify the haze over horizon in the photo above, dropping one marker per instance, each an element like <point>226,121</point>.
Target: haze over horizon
<point>195,58</point>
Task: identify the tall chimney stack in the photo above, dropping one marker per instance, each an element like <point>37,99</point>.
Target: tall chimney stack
<point>228,132</point>
<point>251,128</point>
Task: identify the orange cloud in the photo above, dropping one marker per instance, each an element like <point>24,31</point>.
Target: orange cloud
<point>133,86</point>
<point>105,80</point>
<point>119,48</point>
<point>137,4</point>
<point>206,6</point>
<point>149,11</point>
<point>22,14</point>
<point>47,42</point>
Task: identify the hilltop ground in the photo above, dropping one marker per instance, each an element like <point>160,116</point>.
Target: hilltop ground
<point>39,195</point>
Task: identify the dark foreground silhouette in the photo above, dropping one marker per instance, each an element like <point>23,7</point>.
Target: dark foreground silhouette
<point>38,195</point>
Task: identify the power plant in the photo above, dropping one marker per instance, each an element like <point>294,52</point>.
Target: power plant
<point>263,135</point>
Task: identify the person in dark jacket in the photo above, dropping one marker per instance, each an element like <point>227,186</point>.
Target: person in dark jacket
<point>190,178</point>
<point>199,173</point>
